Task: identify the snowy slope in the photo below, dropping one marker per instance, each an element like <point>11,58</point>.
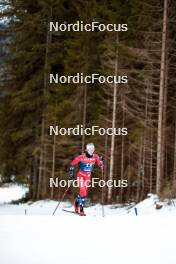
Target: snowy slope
<point>10,192</point>
<point>120,237</point>
<point>85,240</point>
<point>46,207</point>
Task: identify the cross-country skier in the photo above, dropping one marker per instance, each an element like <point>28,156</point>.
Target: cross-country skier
<point>86,162</point>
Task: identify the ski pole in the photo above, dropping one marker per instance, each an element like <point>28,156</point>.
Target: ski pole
<point>61,199</point>
<point>102,194</point>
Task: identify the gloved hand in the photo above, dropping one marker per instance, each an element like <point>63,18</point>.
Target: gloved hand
<point>102,162</point>
<point>71,172</point>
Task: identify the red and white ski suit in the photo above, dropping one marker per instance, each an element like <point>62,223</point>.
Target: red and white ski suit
<point>86,165</point>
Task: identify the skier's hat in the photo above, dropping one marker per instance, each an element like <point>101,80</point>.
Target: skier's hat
<point>90,148</point>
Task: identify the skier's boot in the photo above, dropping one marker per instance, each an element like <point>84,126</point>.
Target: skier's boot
<point>81,212</point>
<point>80,200</point>
<point>76,206</point>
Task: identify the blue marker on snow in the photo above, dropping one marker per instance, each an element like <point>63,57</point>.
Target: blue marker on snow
<point>136,212</point>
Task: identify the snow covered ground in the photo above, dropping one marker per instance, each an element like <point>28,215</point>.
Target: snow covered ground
<point>10,192</point>
<point>85,240</point>
<point>119,237</point>
<point>14,192</point>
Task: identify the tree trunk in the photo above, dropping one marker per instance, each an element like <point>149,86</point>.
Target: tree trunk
<point>139,172</point>
<point>84,115</point>
<point>160,148</point>
<point>174,170</point>
<point>113,123</point>
<point>144,142</point>
<point>122,151</point>
<point>42,163</point>
<point>53,156</point>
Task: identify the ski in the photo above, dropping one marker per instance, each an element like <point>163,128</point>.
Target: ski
<point>68,211</point>
<point>72,212</point>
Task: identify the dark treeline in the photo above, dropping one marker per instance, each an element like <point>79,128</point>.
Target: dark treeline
<point>146,53</point>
